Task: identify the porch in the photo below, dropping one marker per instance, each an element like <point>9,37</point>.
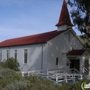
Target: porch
<point>76,69</point>
<point>57,76</point>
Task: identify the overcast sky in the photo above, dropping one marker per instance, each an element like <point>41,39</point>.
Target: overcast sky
<point>26,17</point>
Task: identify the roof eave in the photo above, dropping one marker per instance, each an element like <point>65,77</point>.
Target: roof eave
<point>21,45</point>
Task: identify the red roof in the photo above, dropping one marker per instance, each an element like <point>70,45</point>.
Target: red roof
<point>76,52</point>
<point>33,39</point>
<point>64,16</point>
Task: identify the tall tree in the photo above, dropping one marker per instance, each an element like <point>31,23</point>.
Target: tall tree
<point>80,14</point>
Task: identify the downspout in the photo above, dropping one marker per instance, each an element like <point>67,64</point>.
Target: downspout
<point>42,57</point>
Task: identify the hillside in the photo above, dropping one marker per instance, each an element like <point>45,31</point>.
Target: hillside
<point>10,80</point>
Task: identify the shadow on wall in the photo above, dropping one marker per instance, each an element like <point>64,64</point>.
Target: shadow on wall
<point>59,45</point>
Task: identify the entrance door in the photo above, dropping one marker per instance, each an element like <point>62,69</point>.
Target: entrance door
<point>75,63</point>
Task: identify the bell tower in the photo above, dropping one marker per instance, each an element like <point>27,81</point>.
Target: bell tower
<point>64,19</point>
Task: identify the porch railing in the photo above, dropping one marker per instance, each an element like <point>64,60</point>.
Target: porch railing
<point>56,76</point>
<point>86,71</point>
<point>74,70</point>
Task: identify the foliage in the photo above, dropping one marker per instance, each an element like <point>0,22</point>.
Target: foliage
<point>84,42</point>
<point>77,85</point>
<point>66,86</point>
<point>7,76</point>
<point>10,80</point>
<point>12,64</point>
<point>39,83</point>
<point>80,14</point>
<point>18,85</point>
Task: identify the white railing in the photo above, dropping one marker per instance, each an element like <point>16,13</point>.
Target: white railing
<point>55,71</point>
<point>56,75</point>
<point>65,77</point>
<point>86,71</point>
<point>74,70</point>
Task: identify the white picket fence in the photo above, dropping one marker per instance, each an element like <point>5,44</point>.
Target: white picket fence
<point>57,76</point>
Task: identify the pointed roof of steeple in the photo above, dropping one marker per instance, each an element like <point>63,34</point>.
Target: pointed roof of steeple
<point>64,18</point>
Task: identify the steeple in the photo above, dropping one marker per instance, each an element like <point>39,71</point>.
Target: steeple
<point>64,19</point>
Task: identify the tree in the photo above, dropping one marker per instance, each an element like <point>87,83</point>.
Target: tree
<point>12,64</point>
<point>80,14</point>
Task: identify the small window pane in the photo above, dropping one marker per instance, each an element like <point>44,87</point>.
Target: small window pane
<point>25,55</point>
<point>56,61</point>
<point>15,54</point>
<point>0,55</point>
<point>7,54</point>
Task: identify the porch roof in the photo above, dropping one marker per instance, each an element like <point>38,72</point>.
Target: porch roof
<point>76,52</point>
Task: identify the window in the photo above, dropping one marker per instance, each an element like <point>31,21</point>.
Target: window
<point>7,54</point>
<point>15,55</point>
<point>0,55</point>
<point>56,61</point>
<point>25,55</point>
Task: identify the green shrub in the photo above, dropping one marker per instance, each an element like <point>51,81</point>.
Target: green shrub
<point>18,85</point>
<point>10,80</point>
<point>12,64</point>
<point>66,86</point>
<point>39,83</point>
<point>77,85</point>
<point>7,76</point>
<point>2,65</point>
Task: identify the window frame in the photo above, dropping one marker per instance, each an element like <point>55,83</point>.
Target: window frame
<point>7,54</point>
<point>15,54</point>
<point>25,56</point>
<point>0,55</point>
<point>57,60</point>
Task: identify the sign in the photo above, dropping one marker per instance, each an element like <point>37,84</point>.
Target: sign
<point>85,86</point>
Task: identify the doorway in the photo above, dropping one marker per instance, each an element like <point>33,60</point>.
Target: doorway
<point>75,63</point>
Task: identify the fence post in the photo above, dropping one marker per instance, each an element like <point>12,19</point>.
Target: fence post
<point>47,74</point>
<point>56,78</point>
<point>65,77</point>
<point>81,77</point>
<point>73,78</point>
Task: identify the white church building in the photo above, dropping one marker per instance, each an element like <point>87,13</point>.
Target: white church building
<point>58,49</point>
